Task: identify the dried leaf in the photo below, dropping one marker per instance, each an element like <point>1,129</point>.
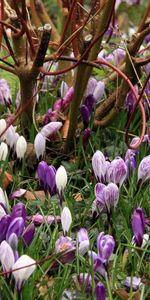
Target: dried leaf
<point>35,195</point>
<point>7,179</point>
<point>122,292</point>
<point>78,197</point>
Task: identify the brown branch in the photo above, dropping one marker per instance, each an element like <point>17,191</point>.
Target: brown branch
<point>145,16</point>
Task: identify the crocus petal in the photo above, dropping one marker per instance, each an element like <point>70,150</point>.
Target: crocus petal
<point>51,128</point>
<point>28,234</point>
<point>3,197</point>
<point>41,172</point>
<point>84,247</point>
<point>138,225</point>
<point>66,219</point>
<point>2,127</point>
<point>17,194</point>
<point>19,210</point>
<point>23,274</point>
<point>16,226</point>
<point>3,151</point>
<point>99,165</point>
<point>144,169</point>
<point>4,224</point>
<point>99,90</point>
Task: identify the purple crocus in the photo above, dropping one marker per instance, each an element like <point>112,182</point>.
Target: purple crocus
<point>85,282</point>
<point>41,172</point>
<point>138,225</point>
<point>106,196</point>
<point>85,137</point>
<point>105,246</point>
<point>19,210</point>
<point>130,160</point>
<point>4,224</point>
<point>135,282</point>
<point>130,101</point>
<point>68,247</point>
<point>50,179</point>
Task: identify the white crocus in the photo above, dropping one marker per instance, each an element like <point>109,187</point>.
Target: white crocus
<point>23,274</point>
<point>21,147</point>
<point>3,151</point>
<point>66,219</point>
<point>39,145</point>
<point>6,256</point>
<point>61,179</point>
<point>2,128</point>
<point>2,212</point>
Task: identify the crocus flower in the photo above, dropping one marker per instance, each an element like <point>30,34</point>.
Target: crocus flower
<point>144,170</point>
<point>61,179</point>
<point>138,225</point>
<point>130,101</point>
<point>13,242</point>
<point>85,282</point>
<point>134,281</point>
<point>40,219</point>
<point>5,94</point>
<point>39,145</point>
<point>2,128</point>
<point>66,219</point>
<point>85,114</point>
<point>130,159</point>
<point>41,172</point>
<point>83,240</point>
<point>17,194</point>
<point>21,147</point>
<point>117,171</point>
<point>100,291</point>
<point>6,256</point>
<point>99,165</point>
<point>66,245</point>
<point>106,196</point>
<point>3,151</point>
<point>105,246</point>
<point>51,128</point>
<point>50,179</point>
<point>23,274</point>
<point>95,88</point>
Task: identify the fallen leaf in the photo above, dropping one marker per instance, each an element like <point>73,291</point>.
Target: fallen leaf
<point>64,129</point>
<point>35,195</point>
<point>78,197</point>
<point>122,292</point>
<point>7,179</point>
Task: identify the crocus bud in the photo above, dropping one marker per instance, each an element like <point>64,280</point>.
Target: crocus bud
<point>24,273</point>
<point>99,165</point>
<point>5,94</point>
<point>10,136</point>
<point>61,179</point>
<point>16,226</point>
<point>85,114</point>
<point>68,97</point>
<point>85,137</point>
<point>63,89</point>
<point>90,102</point>
<point>4,224</point>
<point>41,172</point>
<point>2,128</point>
<point>66,219</point>
<point>83,240</point>
<point>19,210</point>
<point>3,151</point>
<point>138,225</point>
<point>17,194</point>
<point>39,145</point>
<point>6,256</point>
<point>21,147</point>
<point>135,282</point>
<point>100,291</point>
<point>144,169</point>
<point>117,171</point>
<point>28,234</point>
<point>50,179</point>
<point>3,197</point>
<point>13,241</point>
<point>51,128</point>
<point>106,196</point>
<point>58,104</point>
<point>105,246</point>
<point>85,281</point>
